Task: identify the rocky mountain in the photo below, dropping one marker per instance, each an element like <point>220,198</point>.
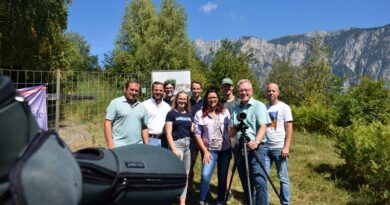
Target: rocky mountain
<point>353,52</point>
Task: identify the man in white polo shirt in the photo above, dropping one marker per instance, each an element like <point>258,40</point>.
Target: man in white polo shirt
<point>157,110</point>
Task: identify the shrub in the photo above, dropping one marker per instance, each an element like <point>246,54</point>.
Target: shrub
<point>369,101</point>
<point>366,152</point>
<point>314,118</point>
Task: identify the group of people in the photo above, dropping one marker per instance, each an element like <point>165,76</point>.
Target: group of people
<point>187,123</point>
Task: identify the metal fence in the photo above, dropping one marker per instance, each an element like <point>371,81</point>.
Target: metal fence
<point>76,98</point>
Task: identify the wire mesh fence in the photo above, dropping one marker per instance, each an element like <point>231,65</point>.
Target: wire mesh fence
<point>77,101</point>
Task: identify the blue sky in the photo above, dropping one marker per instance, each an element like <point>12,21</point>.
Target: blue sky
<point>99,20</point>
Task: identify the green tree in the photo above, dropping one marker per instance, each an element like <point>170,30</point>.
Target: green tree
<point>316,73</point>
<point>367,102</point>
<point>229,62</point>
<point>79,57</point>
<point>150,41</point>
<point>31,33</point>
<point>199,71</point>
<point>289,78</point>
<point>172,49</point>
<point>132,53</point>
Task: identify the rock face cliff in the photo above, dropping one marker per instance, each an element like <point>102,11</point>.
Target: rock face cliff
<point>353,52</point>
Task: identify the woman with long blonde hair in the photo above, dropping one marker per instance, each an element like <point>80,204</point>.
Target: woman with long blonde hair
<point>178,127</point>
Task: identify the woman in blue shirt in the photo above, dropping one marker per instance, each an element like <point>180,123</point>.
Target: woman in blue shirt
<point>178,127</point>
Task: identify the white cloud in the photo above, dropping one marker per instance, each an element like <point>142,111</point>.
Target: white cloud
<point>234,16</point>
<point>209,7</point>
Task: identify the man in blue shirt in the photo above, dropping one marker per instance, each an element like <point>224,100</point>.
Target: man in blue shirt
<point>196,104</point>
<point>126,119</point>
<point>257,120</point>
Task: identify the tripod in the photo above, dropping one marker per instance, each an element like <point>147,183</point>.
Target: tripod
<point>242,146</point>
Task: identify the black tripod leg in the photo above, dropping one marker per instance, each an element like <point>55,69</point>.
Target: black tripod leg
<point>248,173</point>
<point>234,168</point>
<point>257,157</point>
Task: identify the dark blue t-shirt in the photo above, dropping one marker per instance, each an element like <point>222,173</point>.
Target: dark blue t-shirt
<point>195,106</point>
<point>181,124</point>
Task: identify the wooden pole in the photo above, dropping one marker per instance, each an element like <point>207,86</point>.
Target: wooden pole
<point>58,81</point>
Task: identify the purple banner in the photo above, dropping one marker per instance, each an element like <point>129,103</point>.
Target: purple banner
<point>36,98</point>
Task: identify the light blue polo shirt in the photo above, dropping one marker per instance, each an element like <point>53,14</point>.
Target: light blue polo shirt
<point>127,121</point>
<point>256,115</point>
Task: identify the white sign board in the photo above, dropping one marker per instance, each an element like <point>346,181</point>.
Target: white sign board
<point>182,78</point>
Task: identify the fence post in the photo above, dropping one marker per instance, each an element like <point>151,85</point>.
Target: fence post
<point>58,81</point>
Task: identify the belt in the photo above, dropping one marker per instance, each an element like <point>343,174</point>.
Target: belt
<point>179,138</point>
<point>157,136</point>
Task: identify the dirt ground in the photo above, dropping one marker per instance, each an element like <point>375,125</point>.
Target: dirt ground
<point>77,136</point>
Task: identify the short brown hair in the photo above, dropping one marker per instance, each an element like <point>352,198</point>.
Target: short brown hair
<point>196,82</point>
<point>157,83</point>
<point>170,81</point>
<point>132,81</point>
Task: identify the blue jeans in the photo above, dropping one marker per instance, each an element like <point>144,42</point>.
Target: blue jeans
<point>273,156</point>
<point>258,180</point>
<point>222,158</point>
<point>155,142</point>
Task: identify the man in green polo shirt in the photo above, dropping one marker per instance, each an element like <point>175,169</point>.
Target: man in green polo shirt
<point>257,119</point>
<point>126,119</point>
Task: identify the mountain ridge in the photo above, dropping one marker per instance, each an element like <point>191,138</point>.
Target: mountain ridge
<point>353,52</point>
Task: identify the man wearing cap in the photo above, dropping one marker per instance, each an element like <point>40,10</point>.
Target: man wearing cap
<point>229,100</point>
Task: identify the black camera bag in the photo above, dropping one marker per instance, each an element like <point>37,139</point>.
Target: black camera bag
<point>45,173</point>
<point>133,174</point>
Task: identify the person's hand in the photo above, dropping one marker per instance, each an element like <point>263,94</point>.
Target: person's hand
<point>110,146</point>
<point>206,157</point>
<point>177,153</point>
<point>252,145</point>
<point>285,152</point>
